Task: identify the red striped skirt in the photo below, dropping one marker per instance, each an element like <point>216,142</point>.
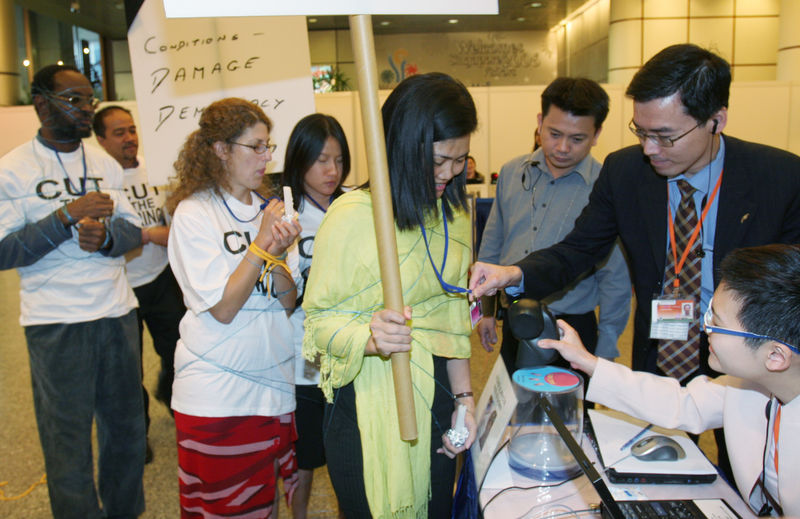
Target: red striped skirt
<point>227,466</point>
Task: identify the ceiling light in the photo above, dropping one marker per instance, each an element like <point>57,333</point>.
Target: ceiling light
<point>452,20</point>
<point>535,4</point>
<point>60,62</point>
<point>312,20</point>
<point>86,50</point>
<point>385,23</point>
<point>521,19</point>
<point>26,62</point>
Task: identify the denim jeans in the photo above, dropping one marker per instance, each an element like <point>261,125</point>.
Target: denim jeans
<point>79,372</point>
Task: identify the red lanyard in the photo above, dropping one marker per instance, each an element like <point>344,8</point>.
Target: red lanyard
<point>693,237</point>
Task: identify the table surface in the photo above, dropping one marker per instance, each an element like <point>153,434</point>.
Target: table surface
<point>536,499</point>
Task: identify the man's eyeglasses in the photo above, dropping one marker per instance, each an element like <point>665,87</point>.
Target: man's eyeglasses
<point>78,101</point>
<point>660,140</point>
<point>259,148</point>
<point>709,328</point>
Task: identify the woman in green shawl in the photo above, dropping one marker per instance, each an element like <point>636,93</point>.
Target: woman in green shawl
<point>428,120</point>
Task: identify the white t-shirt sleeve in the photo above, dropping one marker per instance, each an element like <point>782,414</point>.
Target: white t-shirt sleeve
<point>124,209</point>
<point>197,257</point>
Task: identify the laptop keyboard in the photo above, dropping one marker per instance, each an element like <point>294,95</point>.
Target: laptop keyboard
<point>660,509</point>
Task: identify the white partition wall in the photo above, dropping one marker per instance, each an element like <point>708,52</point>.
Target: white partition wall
<point>762,111</point>
<point>511,122</point>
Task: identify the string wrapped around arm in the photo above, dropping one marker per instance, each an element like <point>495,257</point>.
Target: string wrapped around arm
<point>270,261</point>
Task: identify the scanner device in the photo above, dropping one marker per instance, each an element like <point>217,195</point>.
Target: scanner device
<point>530,321</point>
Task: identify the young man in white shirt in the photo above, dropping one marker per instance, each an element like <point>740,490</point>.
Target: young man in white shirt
<point>753,328</point>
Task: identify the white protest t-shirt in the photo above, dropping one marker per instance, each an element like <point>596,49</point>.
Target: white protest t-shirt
<point>242,368</point>
<point>68,284</point>
<point>310,218</point>
<point>145,263</point>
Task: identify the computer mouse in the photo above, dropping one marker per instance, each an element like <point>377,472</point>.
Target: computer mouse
<point>657,448</point>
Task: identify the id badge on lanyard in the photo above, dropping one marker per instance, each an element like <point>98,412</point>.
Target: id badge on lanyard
<point>671,315</point>
<point>671,318</point>
<point>475,312</point>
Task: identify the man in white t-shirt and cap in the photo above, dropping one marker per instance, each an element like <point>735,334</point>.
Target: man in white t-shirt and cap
<point>65,224</point>
<point>160,300</point>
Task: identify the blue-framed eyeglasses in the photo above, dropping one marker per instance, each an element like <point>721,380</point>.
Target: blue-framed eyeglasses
<point>709,328</point>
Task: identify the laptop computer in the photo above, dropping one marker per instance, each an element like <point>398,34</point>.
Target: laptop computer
<point>607,430</point>
<point>612,509</point>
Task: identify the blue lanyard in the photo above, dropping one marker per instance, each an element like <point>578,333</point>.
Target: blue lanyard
<point>69,183</point>
<point>445,285</point>
<point>66,175</point>
<point>260,208</point>
<point>316,204</point>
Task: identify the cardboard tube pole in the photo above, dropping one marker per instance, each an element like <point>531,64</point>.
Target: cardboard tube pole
<point>382,214</point>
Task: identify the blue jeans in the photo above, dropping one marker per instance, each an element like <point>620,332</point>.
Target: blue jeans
<point>79,372</point>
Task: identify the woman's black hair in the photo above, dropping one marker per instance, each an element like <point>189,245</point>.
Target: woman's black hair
<point>305,145</point>
<point>421,110</point>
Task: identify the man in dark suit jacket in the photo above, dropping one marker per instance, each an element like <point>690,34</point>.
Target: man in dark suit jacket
<point>680,110</point>
<point>759,203</point>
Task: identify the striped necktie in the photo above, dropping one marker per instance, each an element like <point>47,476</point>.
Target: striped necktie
<point>678,358</point>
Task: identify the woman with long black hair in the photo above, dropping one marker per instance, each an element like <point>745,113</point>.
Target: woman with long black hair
<point>428,120</point>
<point>317,162</point>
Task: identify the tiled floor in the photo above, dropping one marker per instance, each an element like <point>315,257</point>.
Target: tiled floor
<point>21,463</point>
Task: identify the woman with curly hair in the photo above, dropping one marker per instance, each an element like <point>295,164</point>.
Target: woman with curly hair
<point>427,121</point>
<point>233,394</point>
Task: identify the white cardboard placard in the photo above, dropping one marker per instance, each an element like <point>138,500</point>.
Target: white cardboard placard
<point>204,8</point>
<point>182,65</point>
